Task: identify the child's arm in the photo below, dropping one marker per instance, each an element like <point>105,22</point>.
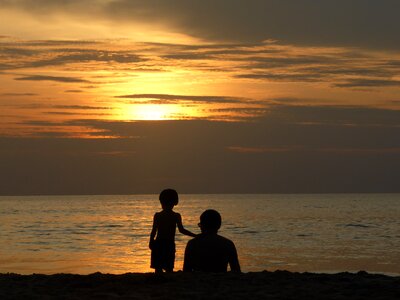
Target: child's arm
<point>153,231</point>
<point>181,229</point>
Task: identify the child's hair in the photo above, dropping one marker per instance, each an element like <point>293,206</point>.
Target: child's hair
<point>169,197</point>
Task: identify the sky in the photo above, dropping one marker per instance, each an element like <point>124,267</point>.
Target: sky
<point>222,96</point>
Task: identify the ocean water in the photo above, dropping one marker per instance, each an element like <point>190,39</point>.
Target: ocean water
<point>314,233</point>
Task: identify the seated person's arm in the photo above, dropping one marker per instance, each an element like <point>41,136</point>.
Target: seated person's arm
<point>181,229</point>
<point>233,259</point>
<point>188,259</point>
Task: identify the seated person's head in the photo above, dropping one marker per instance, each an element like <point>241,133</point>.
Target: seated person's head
<point>168,198</point>
<point>210,221</point>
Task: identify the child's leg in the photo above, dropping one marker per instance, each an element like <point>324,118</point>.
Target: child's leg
<point>169,270</point>
<point>158,270</point>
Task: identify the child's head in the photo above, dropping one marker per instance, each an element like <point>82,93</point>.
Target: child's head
<point>169,198</point>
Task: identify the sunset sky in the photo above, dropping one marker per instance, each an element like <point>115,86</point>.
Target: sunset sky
<point>221,96</point>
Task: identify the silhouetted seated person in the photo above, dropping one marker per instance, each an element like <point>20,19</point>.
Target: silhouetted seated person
<point>210,252</point>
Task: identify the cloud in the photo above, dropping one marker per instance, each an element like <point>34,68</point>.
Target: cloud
<point>32,54</point>
<point>345,68</point>
<point>239,113</point>
<point>64,110</point>
<point>73,91</point>
<point>238,48</point>
<point>364,70</point>
<point>116,153</point>
<point>336,115</point>
<point>6,67</point>
<point>50,43</point>
<point>275,153</point>
<point>358,151</point>
<point>189,56</point>
<point>16,52</point>
<point>42,123</point>
<point>211,107</point>
<point>269,61</point>
<point>340,22</point>
<point>366,82</point>
<point>285,77</point>
<point>18,94</point>
<point>169,99</point>
<point>59,106</point>
<point>52,134</point>
<point>305,21</point>
<point>344,150</point>
<point>329,125</point>
<point>327,118</point>
<point>50,78</point>
<point>74,113</point>
<point>64,129</point>
<point>253,150</point>
<point>99,56</point>
<point>82,107</point>
<point>226,52</point>
<point>299,101</point>
<point>287,59</point>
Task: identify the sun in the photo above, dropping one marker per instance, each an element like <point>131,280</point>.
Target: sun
<point>151,112</point>
<point>156,112</point>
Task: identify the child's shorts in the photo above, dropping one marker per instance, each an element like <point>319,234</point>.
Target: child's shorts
<point>163,254</point>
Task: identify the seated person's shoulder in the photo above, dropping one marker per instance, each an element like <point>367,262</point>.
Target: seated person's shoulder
<point>227,243</point>
<point>224,239</point>
<point>212,241</point>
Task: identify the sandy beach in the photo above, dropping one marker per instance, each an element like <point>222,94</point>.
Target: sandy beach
<point>179,285</point>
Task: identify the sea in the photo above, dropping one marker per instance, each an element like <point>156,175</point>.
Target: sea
<point>323,233</point>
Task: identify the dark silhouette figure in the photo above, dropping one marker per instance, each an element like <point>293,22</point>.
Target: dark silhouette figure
<point>162,237</point>
<point>210,252</point>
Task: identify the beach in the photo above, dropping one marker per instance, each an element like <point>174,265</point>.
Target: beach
<point>180,285</point>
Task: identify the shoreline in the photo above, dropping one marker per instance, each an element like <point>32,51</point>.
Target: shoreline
<point>180,285</point>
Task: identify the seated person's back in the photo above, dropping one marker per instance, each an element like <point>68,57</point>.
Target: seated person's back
<point>210,252</point>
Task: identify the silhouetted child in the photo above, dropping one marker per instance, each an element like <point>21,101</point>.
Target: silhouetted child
<point>162,237</point>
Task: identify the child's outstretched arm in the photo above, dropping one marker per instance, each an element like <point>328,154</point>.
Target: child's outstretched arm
<point>182,229</point>
<point>153,231</point>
